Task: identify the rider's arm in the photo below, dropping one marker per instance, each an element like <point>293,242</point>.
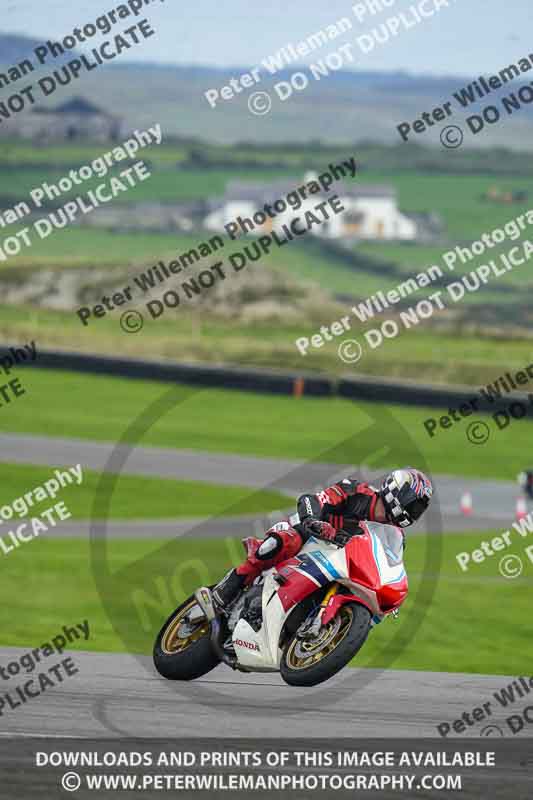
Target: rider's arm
<point>333,500</point>
<point>326,501</point>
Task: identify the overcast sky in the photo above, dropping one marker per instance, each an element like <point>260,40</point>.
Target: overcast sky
<point>469,37</point>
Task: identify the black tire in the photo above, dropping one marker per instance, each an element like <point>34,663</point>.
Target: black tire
<point>192,662</point>
<point>352,640</point>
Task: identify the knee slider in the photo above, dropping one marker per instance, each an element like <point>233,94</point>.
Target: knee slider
<point>269,547</point>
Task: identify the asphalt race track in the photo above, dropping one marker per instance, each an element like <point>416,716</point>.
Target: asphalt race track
<point>493,501</point>
<point>119,695</point>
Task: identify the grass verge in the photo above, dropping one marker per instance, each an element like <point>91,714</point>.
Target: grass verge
<point>330,429</point>
<point>196,336</point>
<point>138,497</point>
<point>477,621</point>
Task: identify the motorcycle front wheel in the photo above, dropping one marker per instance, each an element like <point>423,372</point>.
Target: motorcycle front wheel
<point>306,662</point>
<point>182,651</point>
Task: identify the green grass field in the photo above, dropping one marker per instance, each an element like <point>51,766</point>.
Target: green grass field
<point>465,354</point>
<point>331,430</point>
<point>67,154</point>
<point>448,623</point>
<point>79,247</point>
<point>410,260</point>
<point>298,156</point>
<point>164,185</point>
<point>76,247</point>
<point>84,247</point>
<point>136,497</point>
<point>457,198</point>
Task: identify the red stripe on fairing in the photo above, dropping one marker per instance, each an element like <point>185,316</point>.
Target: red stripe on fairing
<point>297,587</point>
<point>361,563</point>
<point>392,595</point>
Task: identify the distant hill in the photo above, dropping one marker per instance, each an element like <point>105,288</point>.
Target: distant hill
<point>345,106</point>
<point>14,48</point>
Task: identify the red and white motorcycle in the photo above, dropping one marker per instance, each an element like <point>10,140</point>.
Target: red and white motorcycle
<point>305,618</point>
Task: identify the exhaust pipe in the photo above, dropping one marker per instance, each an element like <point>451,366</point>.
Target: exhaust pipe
<point>216,644</point>
<point>204,599</point>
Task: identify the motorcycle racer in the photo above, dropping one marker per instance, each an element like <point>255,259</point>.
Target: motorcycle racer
<point>332,514</point>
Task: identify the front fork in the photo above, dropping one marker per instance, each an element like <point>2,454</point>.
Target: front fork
<point>314,628</point>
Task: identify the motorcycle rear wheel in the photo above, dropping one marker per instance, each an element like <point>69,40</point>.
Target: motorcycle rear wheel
<point>184,653</point>
<point>307,663</point>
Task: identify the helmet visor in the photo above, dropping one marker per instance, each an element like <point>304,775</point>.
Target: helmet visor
<point>417,507</point>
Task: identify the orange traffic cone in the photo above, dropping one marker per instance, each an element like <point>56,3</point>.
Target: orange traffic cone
<point>521,508</point>
<point>466,504</point>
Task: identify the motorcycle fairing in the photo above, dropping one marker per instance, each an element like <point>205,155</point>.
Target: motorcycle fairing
<point>370,566</point>
<point>267,658</point>
<point>315,566</point>
<point>251,648</point>
<point>376,569</point>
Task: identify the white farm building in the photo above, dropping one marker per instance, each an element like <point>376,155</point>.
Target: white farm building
<point>371,211</point>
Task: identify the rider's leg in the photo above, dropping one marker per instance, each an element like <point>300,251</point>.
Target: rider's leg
<point>279,544</point>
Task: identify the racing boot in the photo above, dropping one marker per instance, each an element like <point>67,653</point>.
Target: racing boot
<point>228,589</point>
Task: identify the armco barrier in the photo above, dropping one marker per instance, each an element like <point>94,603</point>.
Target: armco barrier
<point>372,390</point>
<point>378,390</point>
<point>250,380</point>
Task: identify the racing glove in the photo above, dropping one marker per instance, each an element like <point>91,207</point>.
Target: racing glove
<point>322,529</point>
<point>342,538</point>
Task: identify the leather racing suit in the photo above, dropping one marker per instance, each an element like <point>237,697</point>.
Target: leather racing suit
<point>339,507</point>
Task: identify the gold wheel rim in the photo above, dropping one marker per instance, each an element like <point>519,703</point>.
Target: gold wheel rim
<point>171,642</point>
<point>330,637</point>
